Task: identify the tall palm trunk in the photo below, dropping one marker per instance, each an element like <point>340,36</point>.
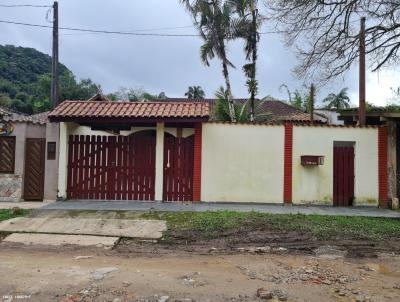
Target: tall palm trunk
<point>254,60</point>
<point>229,91</point>
<point>226,72</point>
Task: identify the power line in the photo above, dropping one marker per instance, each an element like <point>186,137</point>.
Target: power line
<point>136,30</point>
<point>101,31</point>
<point>23,5</point>
<point>115,32</point>
<point>128,33</point>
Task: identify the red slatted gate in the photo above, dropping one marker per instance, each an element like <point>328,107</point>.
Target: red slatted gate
<point>343,176</point>
<point>112,167</point>
<point>178,168</point>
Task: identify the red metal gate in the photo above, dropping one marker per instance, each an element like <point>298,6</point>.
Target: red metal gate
<point>178,168</point>
<point>343,176</point>
<point>112,168</point>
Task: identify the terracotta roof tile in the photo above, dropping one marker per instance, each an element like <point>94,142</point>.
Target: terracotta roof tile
<point>94,109</point>
<point>39,118</point>
<point>279,110</point>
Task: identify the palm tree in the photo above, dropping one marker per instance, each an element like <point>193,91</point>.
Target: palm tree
<point>195,93</point>
<point>213,19</point>
<point>338,101</point>
<point>250,22</point>
<point>221,109</point>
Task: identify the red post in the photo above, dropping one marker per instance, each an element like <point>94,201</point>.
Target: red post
<point>197,163</point>
<point>382,166</point>
<point>288,158</point>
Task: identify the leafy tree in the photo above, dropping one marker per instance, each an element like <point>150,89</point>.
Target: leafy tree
<point>137,94</point>
<point>247,29</point>
<point>112,97</point>
<point>326,33</point>
<point>25,81</point>
<point>221,109</point>
<point>86,88</point>
<point>298,99</point>
<point>195,93</point>
<point>214,19</point>
<point>338,101</point>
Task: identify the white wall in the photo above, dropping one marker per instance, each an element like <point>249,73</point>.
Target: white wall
<point>242,163</point>
<point>315,184</point>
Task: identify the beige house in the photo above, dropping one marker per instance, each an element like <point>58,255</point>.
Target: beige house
<point>171,152</point>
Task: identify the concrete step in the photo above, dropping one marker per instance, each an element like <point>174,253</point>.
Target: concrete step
<point>131,228</point>
<point>60,240</point>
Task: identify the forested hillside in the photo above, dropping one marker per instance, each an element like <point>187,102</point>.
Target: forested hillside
<point>25,80</point>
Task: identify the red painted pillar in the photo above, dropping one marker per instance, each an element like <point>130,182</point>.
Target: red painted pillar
<point>288,159</point>
<point>197,163</point>
<point>382,166</point>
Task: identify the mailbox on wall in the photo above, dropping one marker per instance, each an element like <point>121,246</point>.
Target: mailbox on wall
<point>312,160</point>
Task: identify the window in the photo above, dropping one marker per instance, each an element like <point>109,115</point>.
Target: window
<point>7,154</point>
<point>51,150</point>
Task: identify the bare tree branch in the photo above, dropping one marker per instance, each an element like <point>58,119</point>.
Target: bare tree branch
<point>325,34</point>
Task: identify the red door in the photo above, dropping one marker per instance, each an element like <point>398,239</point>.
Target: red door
<point>178,168</point>
<point>34,168</point>
<point>111,167</point>
<point>343,175</point>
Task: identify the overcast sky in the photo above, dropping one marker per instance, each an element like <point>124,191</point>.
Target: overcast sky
<point>168,64</point>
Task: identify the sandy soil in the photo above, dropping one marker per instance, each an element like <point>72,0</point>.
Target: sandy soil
<point>42,273</point>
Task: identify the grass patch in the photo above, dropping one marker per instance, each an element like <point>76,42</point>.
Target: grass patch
<point>210,225</point>
<point>12,213</point>
<point>8,214</point>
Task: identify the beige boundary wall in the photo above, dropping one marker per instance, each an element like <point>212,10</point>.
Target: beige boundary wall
<point>242,163</point>
<point>314,184</point>
<point>245,163</point>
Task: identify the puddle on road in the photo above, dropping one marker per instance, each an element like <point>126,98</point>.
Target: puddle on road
<point>384,270</point>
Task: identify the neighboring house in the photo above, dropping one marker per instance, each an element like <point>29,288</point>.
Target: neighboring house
<point>279,111</point>
<point>170,151</point>
<point>390,118</point>
<point>27,172</point>
<point>330,116</point>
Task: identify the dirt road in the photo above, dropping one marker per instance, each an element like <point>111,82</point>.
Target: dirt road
<point>62,274</point>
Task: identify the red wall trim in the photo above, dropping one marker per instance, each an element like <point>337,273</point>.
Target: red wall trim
<point>382,165</point>
<point>197,163</point>
<point>288,158</point>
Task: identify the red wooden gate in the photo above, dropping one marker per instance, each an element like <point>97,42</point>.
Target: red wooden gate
<point>112,168</point>
<point>178,168</point>
<point>343,176</point>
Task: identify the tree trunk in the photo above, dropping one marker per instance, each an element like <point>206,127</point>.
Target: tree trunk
<point>254,59</point>
<point>229,92</point>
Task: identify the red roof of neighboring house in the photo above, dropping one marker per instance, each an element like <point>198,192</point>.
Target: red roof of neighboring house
<point>69,110</point>
<point>39,118</point>
<point>280,111</point>
<point>15,116</point>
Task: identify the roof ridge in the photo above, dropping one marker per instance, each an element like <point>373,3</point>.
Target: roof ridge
<point>131,102</point>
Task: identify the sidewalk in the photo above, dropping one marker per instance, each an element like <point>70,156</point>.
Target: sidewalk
<point>202,207</point>
<point>24,205</point>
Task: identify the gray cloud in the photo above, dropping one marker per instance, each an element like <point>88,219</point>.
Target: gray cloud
<point>168,64</point>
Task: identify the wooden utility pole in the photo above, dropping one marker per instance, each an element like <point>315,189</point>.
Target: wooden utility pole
<point>361,105</point>
<point>54,67</point>
<point>311,105</point>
